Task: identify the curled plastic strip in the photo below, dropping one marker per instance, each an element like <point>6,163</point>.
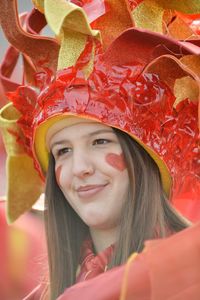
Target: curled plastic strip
<point>36,47</point>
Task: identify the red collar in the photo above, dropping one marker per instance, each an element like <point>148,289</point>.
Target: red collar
<point>92,265</point>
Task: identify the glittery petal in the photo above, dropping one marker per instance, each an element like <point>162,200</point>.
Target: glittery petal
<point>148,16</point>
<point>186,6</point>
<point>165,16</point>
<point>70,23</point>
<point>179,29</point>
<point>39,4</point>
<point>184,88</point>
<point>21,194</point>
<point>116,19</point>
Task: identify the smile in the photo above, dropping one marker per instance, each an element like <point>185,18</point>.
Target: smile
<point>90,190</point>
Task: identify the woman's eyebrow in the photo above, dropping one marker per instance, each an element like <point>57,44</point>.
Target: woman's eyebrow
<point>60,142</point>
<point>93,133</point>
<point>100,131</point>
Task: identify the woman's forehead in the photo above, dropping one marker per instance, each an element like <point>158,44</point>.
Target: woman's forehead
<point>79,127</point>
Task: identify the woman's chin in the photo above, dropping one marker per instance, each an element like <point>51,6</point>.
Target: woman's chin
<point>94,220</point>
<point>95,216</point>
<point>94,223</point>
<point>98,223</point>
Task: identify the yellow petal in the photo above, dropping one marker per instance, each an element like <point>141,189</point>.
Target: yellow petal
<point>70,23</point>
<point>180,77</point>
<point>192,62</point>
<point>178,29</point>
<point>186,87</point>
<point>185,6</point>
<point>8,124</point>
<point>39,4</point>
<point>148,15</point>
<point>117,19</point>
<point>21,193</point>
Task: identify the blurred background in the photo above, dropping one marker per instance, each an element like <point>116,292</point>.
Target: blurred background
<point>22,244</point>
<point>23,5</point>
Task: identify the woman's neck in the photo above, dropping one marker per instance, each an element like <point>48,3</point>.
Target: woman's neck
<point>102,239</point>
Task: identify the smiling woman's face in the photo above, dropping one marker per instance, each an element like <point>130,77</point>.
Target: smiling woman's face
<point>91,172</point>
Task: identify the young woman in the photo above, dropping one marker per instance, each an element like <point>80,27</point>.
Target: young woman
<point>105,135</point>
<point>103,195</point>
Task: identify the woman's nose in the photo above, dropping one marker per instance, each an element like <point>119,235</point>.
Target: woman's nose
<point>82,164</point>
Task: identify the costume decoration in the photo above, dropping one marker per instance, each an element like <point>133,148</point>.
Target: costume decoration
<point>166,17</point>
<point>144,83</point>
<point>18,164</point>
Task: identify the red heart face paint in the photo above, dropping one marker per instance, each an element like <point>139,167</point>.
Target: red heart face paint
<point>57,172</point>
<point>116,161</point>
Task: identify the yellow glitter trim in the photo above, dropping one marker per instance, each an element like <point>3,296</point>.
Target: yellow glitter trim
<point>125,278</point>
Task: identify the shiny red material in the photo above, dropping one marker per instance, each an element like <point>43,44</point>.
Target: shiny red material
<point>121,94</point>
<point>123,97</point>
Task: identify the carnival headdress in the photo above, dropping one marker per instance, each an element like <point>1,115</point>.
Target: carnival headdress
<point>143,83</point>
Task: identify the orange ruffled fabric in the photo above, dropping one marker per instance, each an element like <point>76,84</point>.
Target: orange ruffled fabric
<point>91,265</point>
<point>167,269</point>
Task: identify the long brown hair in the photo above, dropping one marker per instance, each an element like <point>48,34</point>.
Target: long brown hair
<point>147,214</point>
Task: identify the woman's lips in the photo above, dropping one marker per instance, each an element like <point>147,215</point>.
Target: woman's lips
<point>90,190</point>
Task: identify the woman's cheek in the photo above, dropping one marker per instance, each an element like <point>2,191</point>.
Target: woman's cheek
<point>116,161</point>
<point>58,174</point>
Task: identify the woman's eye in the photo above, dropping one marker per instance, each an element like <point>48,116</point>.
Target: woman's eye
<point>101,141</point>
<point>62,151</point>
